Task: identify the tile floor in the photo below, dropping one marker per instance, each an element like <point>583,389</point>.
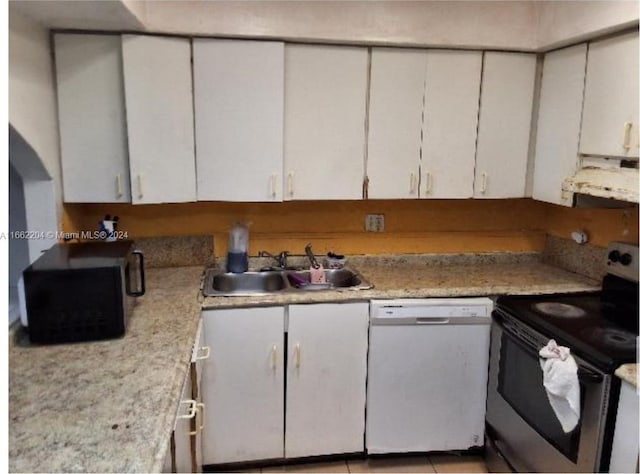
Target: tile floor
<point>434,463</point>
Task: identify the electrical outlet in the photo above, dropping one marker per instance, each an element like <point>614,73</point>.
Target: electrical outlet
<point>374,223</point>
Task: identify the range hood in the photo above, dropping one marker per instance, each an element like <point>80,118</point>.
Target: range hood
<point>609,178</point>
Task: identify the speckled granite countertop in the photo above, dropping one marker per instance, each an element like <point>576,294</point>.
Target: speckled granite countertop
<point>106,406</point>
<point>628,373</point>
<point>110,406</point>
<point>437,276</point>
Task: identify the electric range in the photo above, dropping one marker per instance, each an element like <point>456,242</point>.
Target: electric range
<point>601,331</point>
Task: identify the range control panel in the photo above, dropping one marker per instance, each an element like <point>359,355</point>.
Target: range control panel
<point>622,260</point>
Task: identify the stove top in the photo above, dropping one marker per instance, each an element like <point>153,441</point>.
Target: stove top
<point>581,322</point>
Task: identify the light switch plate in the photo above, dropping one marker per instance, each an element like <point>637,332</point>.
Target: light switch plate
<point>374,223</point>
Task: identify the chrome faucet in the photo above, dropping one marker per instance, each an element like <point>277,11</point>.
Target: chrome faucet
<point>281,259</point>
<point>312,258</point>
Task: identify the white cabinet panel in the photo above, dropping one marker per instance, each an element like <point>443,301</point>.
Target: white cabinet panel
<point>450,123</point>
<point>558,130</point>
<point>326,376</point>
<point>91,111</point>
<point>624,452</point>
<point>243,385</point>
<point>506,101</point>
<point>325,103</point>
<point>395,122</point>
<point>610,118</point>
<point>182,432</point>
<point>239,102</point>
<point>157,83</point>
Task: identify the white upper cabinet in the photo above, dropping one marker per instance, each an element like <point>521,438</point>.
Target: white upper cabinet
<point>450,123</point>
<point>239,102</point>
<point>325,108</point>
<point>506,101</point>
<point>157,83</point>
<point>395,122</point>
<point>326,379</point>
<point>610,116</point>
<point>558,130</point>
<point>91,111</point>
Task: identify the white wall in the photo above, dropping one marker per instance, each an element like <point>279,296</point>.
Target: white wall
<point>32,99</point>
<point>569,21</point>
<point>488,24</point>
<point>18,248</point>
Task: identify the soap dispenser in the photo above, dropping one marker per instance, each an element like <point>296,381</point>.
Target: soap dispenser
<point>237,256</point>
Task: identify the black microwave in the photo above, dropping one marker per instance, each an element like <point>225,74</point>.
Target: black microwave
<point>81,291</point>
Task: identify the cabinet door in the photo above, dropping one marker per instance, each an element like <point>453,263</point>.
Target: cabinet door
<point>159,100</point>
<point>182,436</point>
<point>624,452</point>
<point>450,123</point>
<point>326,377</point>
<point>559,123</point>
<point>93,136</point>
<point>506,101</point>
<point>243,385</point>
<point>610,118</point>
<point>239,106</point>
<point>325,103</point>
<point>395,122</point>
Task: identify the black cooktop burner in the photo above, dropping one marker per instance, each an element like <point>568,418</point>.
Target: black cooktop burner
<point>560,310</point>
<point>613,338</point>
<point>578,321</point>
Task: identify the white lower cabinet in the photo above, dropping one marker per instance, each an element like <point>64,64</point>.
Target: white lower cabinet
<point>624,452</point>
<point>243,383</point>
<point>326,379</point>
<point>185,453</point>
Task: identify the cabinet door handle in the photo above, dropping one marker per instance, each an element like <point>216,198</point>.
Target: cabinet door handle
<point>119,185</point>
<point>274,357</point>
<point>627,135</point>
<point>412,183</point>
<point>193,408</point>
<point>273,185</point>
<point>428,179</point>
<point>140,193</point>
<point>199,409</point>
<point>296,356</point>
<point>290,184</point>
<point>485,180</point>
<point>206,353</point>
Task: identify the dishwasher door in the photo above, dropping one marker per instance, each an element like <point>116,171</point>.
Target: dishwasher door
<point>427,382</point>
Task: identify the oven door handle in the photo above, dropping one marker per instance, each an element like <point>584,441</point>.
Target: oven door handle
<point>586,376</point>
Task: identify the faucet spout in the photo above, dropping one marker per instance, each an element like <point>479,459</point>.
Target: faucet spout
<point>281,258</point>
<point>312,258</point>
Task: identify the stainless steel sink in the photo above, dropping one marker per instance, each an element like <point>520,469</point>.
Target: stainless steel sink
<point>342,278</point>
<point>243,284</point>
<point>219,283</point>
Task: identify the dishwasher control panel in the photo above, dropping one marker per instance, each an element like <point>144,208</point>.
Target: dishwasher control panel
<point>432,308</point>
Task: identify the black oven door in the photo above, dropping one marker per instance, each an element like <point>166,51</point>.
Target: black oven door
<point>520,385</point>
<point>519,416</point>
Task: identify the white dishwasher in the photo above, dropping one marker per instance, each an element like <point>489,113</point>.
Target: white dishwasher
<point>427,380</point>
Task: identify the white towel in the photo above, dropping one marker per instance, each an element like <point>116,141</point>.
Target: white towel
<point>560,380</point>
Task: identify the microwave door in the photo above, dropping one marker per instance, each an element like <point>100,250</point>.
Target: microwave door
<point>134,274</point>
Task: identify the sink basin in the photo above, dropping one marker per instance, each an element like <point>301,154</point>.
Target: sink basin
<point>219,283</point>
<point>336,278</point>
<point>248,283</point>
